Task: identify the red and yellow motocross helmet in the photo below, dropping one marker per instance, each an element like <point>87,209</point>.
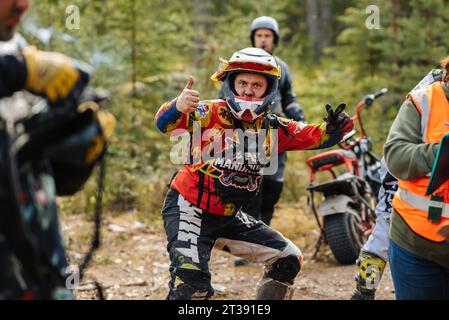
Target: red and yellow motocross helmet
<point>249,60</point>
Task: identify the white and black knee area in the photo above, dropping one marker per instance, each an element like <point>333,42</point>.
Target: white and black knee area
<point>285,269</point>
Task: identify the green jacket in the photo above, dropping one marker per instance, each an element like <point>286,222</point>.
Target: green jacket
<point>409,158</point>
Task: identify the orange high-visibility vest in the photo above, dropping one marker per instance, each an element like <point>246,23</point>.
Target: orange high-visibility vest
<point>410,200</point>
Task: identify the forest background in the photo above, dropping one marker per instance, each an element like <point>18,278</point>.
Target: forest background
<point>144,50</point>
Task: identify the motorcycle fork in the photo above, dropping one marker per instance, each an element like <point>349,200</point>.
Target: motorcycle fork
<point>365,206</point>
<point>322,238</point>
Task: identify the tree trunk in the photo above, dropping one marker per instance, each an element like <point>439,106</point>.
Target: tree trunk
<point>325,23</point>
<point>394,29</point>
<point>201,22</point>
<point>133,60</point>
<point>313,27</point>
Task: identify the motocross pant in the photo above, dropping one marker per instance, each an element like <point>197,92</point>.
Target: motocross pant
<point>192,233</point>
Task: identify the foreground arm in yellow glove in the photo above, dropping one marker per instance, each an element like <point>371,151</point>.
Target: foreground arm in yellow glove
<point>371,268</point>
<point>54,76</point>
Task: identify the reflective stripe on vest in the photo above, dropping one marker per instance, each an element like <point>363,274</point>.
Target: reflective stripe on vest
<point>421,203</point>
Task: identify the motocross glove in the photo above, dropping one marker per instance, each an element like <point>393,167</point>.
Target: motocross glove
<point>338,120</point>
<point>107,122</point>
<point>54,76</point>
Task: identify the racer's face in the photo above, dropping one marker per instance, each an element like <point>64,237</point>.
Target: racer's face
<point>264,39</point>
<point>250,85</point>
<point>11,11</point>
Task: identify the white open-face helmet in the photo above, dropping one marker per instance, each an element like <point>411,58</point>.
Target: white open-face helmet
<point>249,60</point>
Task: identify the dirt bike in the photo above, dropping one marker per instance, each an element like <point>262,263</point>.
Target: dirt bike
<point>346,214</point>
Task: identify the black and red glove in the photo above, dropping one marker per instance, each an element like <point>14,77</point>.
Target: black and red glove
<point>338,120</point>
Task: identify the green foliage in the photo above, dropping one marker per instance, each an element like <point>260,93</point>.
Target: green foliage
<point>144,51</point>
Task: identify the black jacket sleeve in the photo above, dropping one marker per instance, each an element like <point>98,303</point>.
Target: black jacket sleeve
<point>290,105</point>
<point>12,74</point>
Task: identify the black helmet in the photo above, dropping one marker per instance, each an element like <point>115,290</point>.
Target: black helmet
<point>265,22</point>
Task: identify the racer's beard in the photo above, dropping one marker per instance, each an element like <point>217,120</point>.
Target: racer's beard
<point>10,22</point>
<point>6,33</point>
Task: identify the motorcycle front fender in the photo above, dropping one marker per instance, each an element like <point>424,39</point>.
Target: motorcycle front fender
<point>335,204</point>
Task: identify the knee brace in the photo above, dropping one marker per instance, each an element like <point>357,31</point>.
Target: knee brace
<point>285,269</point>
<point>269,289</point>
<point>276,284</point>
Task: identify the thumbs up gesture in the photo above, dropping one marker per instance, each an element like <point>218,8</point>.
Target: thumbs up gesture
<point>189,99</point>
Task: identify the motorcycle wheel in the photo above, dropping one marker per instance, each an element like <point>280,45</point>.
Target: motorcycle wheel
<point>344,236</point>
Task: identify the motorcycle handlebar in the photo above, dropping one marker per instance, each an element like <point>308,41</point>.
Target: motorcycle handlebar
<point>380,93</point>
<point>369,99</point>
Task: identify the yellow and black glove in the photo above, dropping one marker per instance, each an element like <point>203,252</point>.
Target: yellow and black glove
<point>54,76</point>
<point>371,268</point>
<point>107,122</point>
<point>74,158</point>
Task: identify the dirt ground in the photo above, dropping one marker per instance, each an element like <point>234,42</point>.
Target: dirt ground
<point>133,263</point>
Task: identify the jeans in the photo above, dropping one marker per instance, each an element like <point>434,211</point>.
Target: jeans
<point>416,278</point>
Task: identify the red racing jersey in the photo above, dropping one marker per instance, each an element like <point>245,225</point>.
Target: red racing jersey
<point>223,184</point>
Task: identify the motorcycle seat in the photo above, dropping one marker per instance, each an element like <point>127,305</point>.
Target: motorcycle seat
<point>332,157</point>
<point>340,185</point>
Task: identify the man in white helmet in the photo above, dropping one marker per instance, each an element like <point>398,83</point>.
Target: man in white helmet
<point>202,208</point>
